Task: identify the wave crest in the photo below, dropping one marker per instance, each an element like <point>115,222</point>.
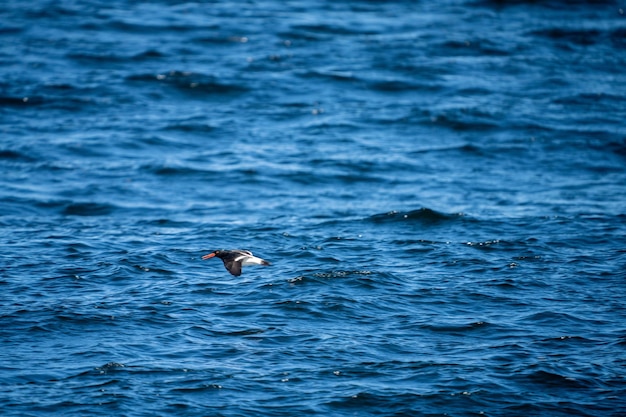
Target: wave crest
<point>422,215</point>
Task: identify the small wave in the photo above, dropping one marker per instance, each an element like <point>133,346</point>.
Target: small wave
<point>200,387</point>
<point>143,27</point>
<point>49,101</point>
<point>220,39</point>
<point>457,328</point>
<point>331,29</point>
<point>21,101</point>
<point>15,156</point>
<point>486,244</point>
<point>547,318</point>
<point>110,367</point>
<point>580,37</point>
<point>618,37</point>
<point>548,4</point>
<point>479,47</point>
<point>585,99</point>
<point>395,86</point>
<point>148,54</point>
<point>320,276</point>
<point>88,209</point>
<point>190,82</point>
<point>334,75</point>
<point>104,57</point>
<point>467,119</point>
<point>187,127</point>
<point>422,215</point>
<point>341,274</point>
<point>553,379</point>
<point>177,170</point>
<point>252,331</point>
<point>382,403</point>
<point>617,146</point>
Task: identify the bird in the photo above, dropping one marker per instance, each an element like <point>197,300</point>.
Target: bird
<point>236,258</point>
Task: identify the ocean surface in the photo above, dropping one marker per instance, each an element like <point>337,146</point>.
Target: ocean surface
<point>439,186</point>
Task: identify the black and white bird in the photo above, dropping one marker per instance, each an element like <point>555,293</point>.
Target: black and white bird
<point>235,259</point>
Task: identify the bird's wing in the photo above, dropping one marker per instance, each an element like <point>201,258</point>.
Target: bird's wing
<point>233,267</point>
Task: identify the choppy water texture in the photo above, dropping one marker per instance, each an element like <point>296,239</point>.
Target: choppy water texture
<point>440,187</point>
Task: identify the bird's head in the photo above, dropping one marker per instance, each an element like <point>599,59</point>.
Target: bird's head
<point>212,254</point>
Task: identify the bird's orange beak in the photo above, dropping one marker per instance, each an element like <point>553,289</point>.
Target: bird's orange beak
<point>208,255</point>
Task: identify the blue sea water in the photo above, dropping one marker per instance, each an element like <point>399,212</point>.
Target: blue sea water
<point>439,186</point>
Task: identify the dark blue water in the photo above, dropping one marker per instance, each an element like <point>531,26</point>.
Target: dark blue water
<point>440,187</point>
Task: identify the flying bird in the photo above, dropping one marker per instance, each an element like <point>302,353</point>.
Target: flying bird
<point>235,259</point>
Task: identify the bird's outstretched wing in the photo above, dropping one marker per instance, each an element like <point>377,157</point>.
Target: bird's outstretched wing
<point>233,267</point>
